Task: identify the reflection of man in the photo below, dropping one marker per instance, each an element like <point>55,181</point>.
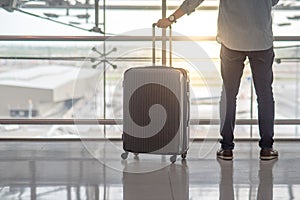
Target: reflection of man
<point>265,175</point>
<point>244,30</point>
<point>226,190</point>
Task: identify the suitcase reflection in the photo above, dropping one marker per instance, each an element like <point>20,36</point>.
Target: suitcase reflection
<point>171,182</point>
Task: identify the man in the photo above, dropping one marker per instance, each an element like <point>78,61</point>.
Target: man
<point>244,30</point>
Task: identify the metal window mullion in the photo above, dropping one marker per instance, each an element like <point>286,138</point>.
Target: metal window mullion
<point>120,121</point>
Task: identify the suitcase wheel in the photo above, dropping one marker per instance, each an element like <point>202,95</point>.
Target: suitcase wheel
<point>173,158</point>
<point>136,156</point>
<point>183,156</point>
<point>124,155</point>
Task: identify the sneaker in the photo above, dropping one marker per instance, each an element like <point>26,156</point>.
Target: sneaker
<point>225,154</point>
<point>268,154</point>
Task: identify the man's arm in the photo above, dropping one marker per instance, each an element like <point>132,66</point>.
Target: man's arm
<point>165,22</point>
<point>187,7</point>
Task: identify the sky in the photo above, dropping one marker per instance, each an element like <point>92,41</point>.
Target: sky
<point>16,23</point>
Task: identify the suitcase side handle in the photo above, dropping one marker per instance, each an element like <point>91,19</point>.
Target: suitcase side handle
<point>153,44</point>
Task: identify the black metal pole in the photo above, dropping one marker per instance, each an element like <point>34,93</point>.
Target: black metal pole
<point>96,13</point>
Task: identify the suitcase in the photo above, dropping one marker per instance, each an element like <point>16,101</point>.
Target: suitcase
<point>156,109</point>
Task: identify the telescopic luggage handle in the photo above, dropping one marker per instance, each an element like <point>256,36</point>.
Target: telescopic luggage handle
<point>153,44</point>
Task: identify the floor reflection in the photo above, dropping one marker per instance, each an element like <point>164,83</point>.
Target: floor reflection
<point>66,171</point>
<point>171,182</point>
<point>265,177</point>
<point>226,191</point>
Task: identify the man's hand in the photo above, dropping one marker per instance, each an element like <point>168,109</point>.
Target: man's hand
<point>163,23</point>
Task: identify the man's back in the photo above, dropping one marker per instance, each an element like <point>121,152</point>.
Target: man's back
<point>246,24</point>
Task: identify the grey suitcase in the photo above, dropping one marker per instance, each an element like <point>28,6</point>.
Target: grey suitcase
<point>156,110</point>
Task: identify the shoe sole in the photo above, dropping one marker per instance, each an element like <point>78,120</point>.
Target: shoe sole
<point>268,157</point>
<point>225,157</point>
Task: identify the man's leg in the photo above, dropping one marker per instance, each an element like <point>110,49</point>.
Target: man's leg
<point>232,65</point>
<point>261,64</point>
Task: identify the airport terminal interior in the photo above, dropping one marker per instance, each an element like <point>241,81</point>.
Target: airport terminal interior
<point>63,104</point>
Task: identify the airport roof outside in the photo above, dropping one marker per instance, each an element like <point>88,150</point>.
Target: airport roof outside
<point>44,86</point>
<point>41,77</point>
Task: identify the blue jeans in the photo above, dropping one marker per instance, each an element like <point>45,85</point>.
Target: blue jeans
<point>232,65</point>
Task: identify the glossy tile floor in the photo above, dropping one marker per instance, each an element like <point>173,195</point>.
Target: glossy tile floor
<point>94,170</point>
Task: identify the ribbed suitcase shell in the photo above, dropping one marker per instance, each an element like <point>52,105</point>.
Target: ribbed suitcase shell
<point>156,110</point>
